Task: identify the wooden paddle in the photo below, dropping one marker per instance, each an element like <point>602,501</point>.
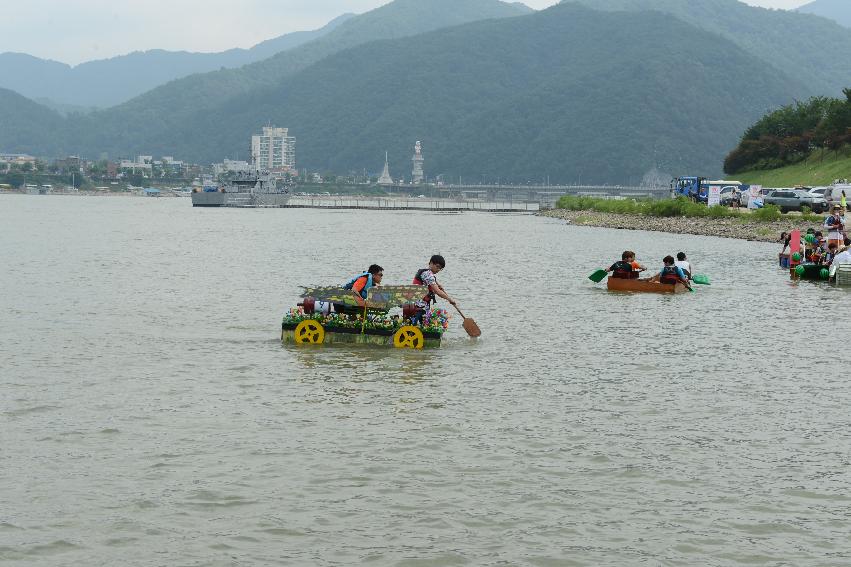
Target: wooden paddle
<point>598,276</point>
<point>469,325</point>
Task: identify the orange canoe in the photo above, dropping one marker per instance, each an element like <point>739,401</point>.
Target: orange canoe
<point>622,284</point>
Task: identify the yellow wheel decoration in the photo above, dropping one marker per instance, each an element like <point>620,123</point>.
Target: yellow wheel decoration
<point>408,337</point>
<point>309,332</point>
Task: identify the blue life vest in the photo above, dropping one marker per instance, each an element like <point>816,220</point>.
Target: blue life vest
<point>351,283</point>
<point>669,275</point>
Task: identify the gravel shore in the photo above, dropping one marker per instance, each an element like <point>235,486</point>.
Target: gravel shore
<point>739,228</point>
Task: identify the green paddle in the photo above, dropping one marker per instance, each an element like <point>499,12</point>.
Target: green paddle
<point>598,276</point>
<point>700,279</point>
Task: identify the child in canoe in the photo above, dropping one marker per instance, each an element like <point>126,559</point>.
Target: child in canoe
<point>671,273</point>
<point>627,268</point>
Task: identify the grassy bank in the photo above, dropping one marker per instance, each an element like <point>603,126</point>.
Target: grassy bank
<point>676,208</point>
<point>821,168</point>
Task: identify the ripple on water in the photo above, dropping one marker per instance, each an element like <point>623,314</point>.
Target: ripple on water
<point>170,427</point>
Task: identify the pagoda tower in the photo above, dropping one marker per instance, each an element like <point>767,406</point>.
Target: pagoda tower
<point>417,174</point>
<point>385,178</point>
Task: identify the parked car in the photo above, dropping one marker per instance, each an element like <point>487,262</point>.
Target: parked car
<point>818,191</point>
<point>795,200</point>
<point>729,194</point>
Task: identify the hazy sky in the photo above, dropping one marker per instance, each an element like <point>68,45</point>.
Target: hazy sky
<point>73,31</point>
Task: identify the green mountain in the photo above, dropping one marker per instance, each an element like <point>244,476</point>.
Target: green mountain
<point>837,10</point>
<point>26,125</point>
<point>814,50</point>
<point>568,92</point>
<point>107,82</point>
<point>553,93</point>
<point>156,111</point>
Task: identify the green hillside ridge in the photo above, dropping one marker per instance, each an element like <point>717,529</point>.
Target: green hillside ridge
<point>203,94</point>
<point>25,124</point>
<point>812,49</point>
<point>106,82</point>
<point>821,168</point>
<point>567,93</point>
<point>791,133</point>
<point>553,93</point>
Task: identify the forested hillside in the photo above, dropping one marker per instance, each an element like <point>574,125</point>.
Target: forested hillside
<point>148,115</point>
<point>814,50</point>
<point>107,82</point>
<point>25,125</point>
<point>568,93</point>
<point>791,133</point>
<point>553,93</point>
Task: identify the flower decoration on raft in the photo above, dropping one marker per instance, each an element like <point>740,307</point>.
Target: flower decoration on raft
<point>382,322</point>
<point>436,318</point>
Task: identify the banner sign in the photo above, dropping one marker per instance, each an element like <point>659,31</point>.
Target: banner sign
<point>795,246</point>
<point>714,195</point>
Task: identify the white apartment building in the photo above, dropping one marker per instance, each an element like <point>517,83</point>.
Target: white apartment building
<point>230,165</point>
<point>274,149</point>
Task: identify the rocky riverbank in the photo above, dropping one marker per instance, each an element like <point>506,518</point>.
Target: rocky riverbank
<point>740,228</point>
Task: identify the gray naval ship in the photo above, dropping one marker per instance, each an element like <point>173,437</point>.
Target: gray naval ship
<point>245,189</point>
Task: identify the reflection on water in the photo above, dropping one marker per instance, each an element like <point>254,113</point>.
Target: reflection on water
<point>366,363</point>
<point>151,416</point>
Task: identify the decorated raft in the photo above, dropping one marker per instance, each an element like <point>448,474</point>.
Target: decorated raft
<point>332,315</point>
<point>646,286</point>
<point>810,272</point>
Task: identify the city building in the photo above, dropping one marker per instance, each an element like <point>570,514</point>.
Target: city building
<point>230,165</point>
<point>274,150</point>
<point>143,163</point>
<point>16,158</point>
<point>70,163</point>
<point>417,174</point>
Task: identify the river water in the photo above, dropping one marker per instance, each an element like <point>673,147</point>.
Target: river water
<point>150,416</point>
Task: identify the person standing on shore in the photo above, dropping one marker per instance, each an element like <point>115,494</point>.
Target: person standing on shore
<point>835,224</point>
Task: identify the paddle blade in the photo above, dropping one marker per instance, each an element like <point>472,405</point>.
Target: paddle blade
<point>700,279</point>
<point>598,276</point>
<point>471,328</point>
